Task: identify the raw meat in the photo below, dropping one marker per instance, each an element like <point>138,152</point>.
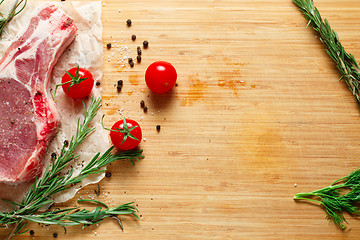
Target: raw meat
<point>28,117</point>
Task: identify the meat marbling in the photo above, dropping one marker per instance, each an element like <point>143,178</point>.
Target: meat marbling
<point>28,117</point>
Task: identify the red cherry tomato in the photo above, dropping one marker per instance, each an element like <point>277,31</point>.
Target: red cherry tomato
<point>77,83</point>
<point>160,77</point>
<point>126,136</point>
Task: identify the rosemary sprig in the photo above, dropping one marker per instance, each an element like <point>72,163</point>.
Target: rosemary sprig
<point>75,216</point>
<point>39,195</point>
<point>343,195</point>
<point>18,6</point>
<point>345,62</point>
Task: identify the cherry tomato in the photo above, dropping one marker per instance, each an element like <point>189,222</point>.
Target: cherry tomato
<point>126,134</point>
<point>77,83</point>
<point>160,77</point>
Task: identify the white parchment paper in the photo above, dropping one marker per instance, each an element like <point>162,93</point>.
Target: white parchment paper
<point>87,52</point>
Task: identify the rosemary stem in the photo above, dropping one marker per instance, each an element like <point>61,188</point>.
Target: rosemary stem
<point>11,233</point>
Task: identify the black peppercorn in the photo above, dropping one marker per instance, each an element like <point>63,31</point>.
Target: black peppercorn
<point>55,235</point>
<point>97,191</point>
<point>108,174</point>
<point>108,46</point>
<point>133,37</point>
<point>53,155</point>
<point>145,44</point>
<point>142,103</point>
<point>145,109</point>
<point>176,84</point>
<point>130,60</point>
<point>128,22</point>
<point>32,232</point>
<point>119,85</point>
<point>131,64</point>
<point>138,50</point>
<point>158,127</point>
<point>98,83</point>
<point>138,58</point>
<point>66,143</point>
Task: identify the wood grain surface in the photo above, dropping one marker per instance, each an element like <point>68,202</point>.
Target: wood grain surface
<point>258,115</point>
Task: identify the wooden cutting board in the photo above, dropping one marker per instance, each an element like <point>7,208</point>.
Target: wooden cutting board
<point>258,115</point>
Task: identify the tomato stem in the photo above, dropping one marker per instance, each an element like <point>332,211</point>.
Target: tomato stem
<point>58,85</point>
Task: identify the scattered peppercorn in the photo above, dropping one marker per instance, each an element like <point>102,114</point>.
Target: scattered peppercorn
<point>66,143</point>
<point>98,83</point>
<point>108,174</point>
<point>138,50</point>
<point>145,109</point>
<point>142,103</point>
<point>130,60</point>
<point>108,46</point>
<point>176,84</point>
<point>32,232</point>
<point>12,121</point>
<point>97,191</point>
<point>53,155</point>
<point>138,58</point>
<point>119,85</point>
<point>131,64</point>
<point>158,127</point>
<point>128,22</point>
<point>55,235</point>
<point>133,37</point>
<point>145,44</point>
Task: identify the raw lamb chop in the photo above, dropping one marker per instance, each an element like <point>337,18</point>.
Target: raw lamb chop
<point>28,117</point>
